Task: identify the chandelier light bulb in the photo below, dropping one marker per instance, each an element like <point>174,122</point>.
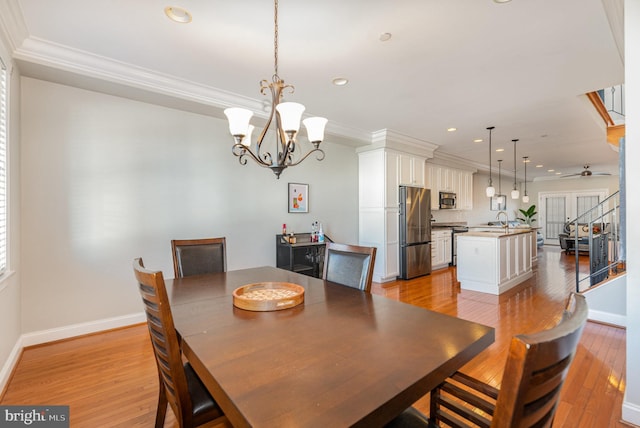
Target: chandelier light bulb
<point>491,191</point>
<point>238,120</point>
<point>246,141</point>
<point>290,115</point>
<point>515,194</point>
<point>315,128</point>
<point>525,199</point>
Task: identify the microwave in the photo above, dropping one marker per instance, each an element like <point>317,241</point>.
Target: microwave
<point>447,201</point>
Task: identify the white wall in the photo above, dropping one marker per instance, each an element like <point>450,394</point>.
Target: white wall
<point>631,405</point>
<point>10,290</point>
<point>107,179</point>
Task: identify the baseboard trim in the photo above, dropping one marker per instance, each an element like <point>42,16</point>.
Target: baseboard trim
<point>10,363</point>
<point>608,318</point>
<point>630,413</point>
<point>44,336</point>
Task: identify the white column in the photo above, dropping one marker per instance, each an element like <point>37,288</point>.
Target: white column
<point>631,405</point>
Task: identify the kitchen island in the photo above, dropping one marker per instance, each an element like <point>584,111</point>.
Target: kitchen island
<point>494,261</point>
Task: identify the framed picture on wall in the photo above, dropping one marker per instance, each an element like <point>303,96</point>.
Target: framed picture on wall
<point>298,198</point>
<point>499,203</point>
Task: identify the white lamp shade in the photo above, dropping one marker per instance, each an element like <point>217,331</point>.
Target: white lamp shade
<point>290,115</point>
<point>515,194</point>
<point>525,198</point>
<point>315,128</point>
<point>491,191</point>
<point>238,120</point>
<point>246,141</point>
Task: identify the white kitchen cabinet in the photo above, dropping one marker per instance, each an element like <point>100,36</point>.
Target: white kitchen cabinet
<point>465,190</point>
<point>379,172</point>
<point>411,170</point>
<point>440,249</point>
<point>432,182</point>
<point>440,178</point>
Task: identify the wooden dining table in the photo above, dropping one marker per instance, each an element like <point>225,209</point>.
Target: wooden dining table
<point>343,357</point>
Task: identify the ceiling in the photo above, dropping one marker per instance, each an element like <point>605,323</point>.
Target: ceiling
<point>522,66</point>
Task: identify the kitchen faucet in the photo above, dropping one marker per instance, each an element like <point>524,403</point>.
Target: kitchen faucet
<point>506,219</point>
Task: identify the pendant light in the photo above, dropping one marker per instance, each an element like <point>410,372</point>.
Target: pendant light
<point>525,197</point>
<point>515,194</point>
<point>501,197</point>
<point>491,191</point>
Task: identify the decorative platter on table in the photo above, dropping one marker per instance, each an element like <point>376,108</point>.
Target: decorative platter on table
<point>268,296</point>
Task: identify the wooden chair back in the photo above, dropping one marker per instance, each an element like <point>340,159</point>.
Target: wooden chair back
<point>535,371</point>
<point>166,348</point>
<point>349,265</point>
<point>198,256</point>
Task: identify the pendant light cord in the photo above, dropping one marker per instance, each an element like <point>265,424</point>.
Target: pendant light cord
<point>490,128</point>
<point>515,169</point>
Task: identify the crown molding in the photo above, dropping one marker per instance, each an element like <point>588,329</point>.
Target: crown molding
<point>390,139</point>
<point>454,161</point>
<point>12,25</point>
<point>39,53</point>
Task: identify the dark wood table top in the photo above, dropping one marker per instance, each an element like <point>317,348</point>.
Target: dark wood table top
<point>341,358</point>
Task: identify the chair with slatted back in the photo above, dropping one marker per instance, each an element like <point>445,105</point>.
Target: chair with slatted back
<point>180,387</point>
<point>349,265</point>
<point>198,256</point>
<point>528,396</point>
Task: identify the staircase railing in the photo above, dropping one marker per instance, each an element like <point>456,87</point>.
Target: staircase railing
<point>604,240</point>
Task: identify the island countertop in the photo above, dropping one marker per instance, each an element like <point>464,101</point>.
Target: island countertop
<point>498,233</point>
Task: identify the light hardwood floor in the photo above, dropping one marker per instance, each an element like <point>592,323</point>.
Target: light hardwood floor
<point>109,379</point>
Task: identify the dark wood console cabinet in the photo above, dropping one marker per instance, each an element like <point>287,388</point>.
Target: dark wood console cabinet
<point>304,256</point>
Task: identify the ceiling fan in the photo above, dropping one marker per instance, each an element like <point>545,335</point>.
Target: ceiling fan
<point>585,173</point>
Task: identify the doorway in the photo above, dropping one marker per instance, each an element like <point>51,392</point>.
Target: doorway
<point>557,208</point>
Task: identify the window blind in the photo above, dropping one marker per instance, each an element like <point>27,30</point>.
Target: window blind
<point>3,164</point>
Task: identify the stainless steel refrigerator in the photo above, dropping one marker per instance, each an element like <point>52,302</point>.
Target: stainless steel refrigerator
<point>415,232</point>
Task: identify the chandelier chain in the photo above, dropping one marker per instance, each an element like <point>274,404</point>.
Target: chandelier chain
<point>275,36</point>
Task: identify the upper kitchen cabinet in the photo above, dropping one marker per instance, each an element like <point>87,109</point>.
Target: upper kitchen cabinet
<point>411,170</point>
<point>441,178</point>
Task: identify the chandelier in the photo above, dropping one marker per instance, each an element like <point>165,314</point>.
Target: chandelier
<point>287,123</point>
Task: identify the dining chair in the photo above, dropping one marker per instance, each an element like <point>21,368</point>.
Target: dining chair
<point>536,368</point>
<point>349,265</point>
<point>180,386</point>
<point>198,256</point>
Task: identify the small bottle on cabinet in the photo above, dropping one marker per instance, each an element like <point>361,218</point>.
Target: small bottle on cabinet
<point>284,229</point>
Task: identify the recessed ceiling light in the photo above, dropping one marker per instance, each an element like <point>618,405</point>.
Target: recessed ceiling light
<point>558,173</point>
<point>501,1</point>
<point>340,81</point>
<point>385,37</point>
<point>478,140</point>
<point>499,150</point>
<point>452,129</point>
<point>550,170</point>
<point>178,14</point>
<point>539,166</point>
<point>527,161</point>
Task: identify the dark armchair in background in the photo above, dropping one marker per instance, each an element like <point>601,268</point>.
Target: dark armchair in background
<point>567,237</point>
